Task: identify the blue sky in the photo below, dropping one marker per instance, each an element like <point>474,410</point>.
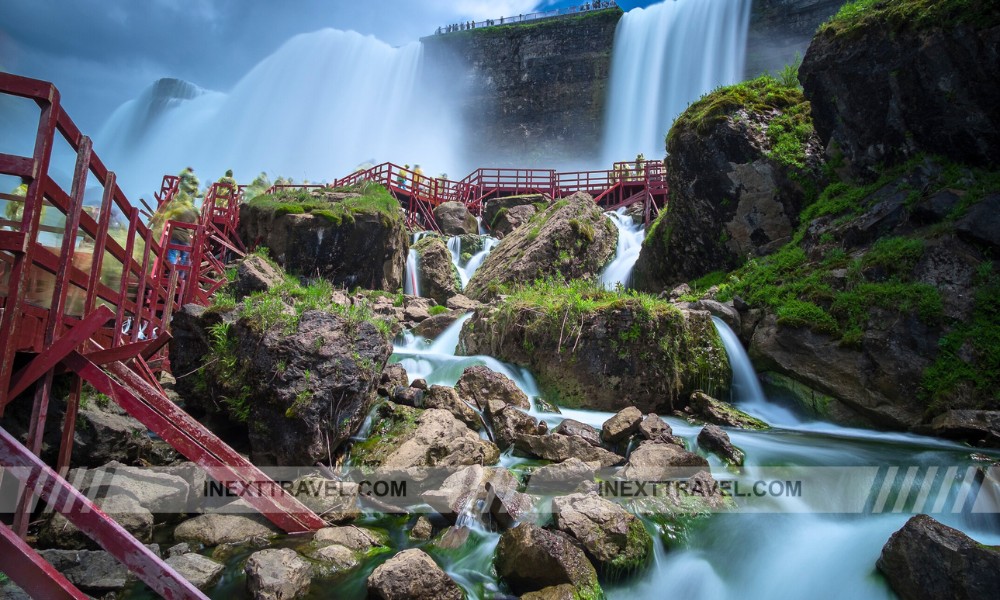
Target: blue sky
<point>100,53</point>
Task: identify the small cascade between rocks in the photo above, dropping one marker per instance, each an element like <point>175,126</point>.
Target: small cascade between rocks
<point>747,392</point>
<point>630,237</point>
<point>411,277</point>
<point>466,271</point>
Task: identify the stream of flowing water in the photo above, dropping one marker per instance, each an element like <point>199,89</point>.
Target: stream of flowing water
<point>466,269</point>
<point>630,236</point>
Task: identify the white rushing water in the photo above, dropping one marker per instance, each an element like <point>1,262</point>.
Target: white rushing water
<point>665,57</point>
<point>795,548</point>
<point>630,236</point>
<point>411,277</point>
<point>315,109</point>
<point>467,269</point>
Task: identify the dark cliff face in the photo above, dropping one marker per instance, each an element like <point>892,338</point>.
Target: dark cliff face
<point>780,28</point>
<point>532,92</point>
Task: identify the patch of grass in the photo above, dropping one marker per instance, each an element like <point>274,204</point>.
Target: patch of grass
<point>969,355</point>
<point>373,200</point>
<point>437,309</point>
<point>896,254</point>
<point>910,15</point>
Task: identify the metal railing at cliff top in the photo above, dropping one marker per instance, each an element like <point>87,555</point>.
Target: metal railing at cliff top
<point>535,16</point>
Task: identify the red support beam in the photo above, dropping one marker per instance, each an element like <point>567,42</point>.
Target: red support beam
<point>31,572</point>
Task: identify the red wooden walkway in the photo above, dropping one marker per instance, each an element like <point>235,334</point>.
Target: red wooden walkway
<point>625,184</point>
<point>92,299</point>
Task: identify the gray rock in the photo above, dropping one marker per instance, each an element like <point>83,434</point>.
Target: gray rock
<point>412,575</point>
<point>462,303</point>
<point>622,425</point>
<point>59,532</point>
<point>277,574</point>
<point>352,537</point>
<point>443,397</point>
<point>423,529</point>
<point>562,447</point>
<point>217,528</point>
<point>202,572</point>
<point>438,276</point>
<point>722,413</point>
<point>573,427</point>
<point>432,327</point>
<point>926,560</point>
<point>158,491</point>
<point>179,549</point>
<point>455,219</point>
<point>613,538</point>
<point>334,558</point>
<point>334,501</point>
<point>512,218</point>
<point>714,439</point>
<point>653,461</point>
<point>254,274</point>
<point>978,427</point>
<point>529,558</point>
<point>93,571</point>
<point>480,384</point>
<point>563,477</point>
<point>510,422</point>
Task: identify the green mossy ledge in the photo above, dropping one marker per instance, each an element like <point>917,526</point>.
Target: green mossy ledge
<point>855,17</point>
<point>597,349</point>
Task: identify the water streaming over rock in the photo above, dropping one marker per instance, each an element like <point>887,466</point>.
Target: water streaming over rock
<point>630,236</point>
<point>316,108</point>
<point>468,269</point>
<point>665,57</point>
<point>411,277</point>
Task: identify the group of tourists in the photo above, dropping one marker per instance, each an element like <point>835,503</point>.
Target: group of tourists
<point>469,25</point>
<point>182,209</point>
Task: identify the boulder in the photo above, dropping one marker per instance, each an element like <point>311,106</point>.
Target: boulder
<point>726,312</point>
<point>59,532</point>
<point>156,490</point>
<point>714,439</point>
<point>656,429</point>
<point>310,389</point>
<point>510,219</point>
<point>455,219</point>
<point>926,559</point>
<point>201,571</point>
<point>722,413</point>
<point>463,303</point>
<point>106,433</point>
<point>563,477</point>
<point>510,422</point>
<point>886,85</point>
<point>352,537</point>
<point>432,326</point>
<point>236,525</point>
<point>529,558</point>
<point>95,572</point>
<point>255,274</point>
<point>277,574</point>
<point>333,559</point>
<point>414,438</point>
<point>368,249</point>
<point>439,396</point>
<point>563,447</point>
<point>412,575</point>
<point>613,539</point>
<point>621,426</point>
<point>480,384</point>
<point>978,427</point>
<point>392,376</point>
<point>731,194</point>
<point>423,529</point>
<point>458,492</point>
<point>653,461</point>
<point>981,224</point>
<point>555,592</point>
<point>575,428</point>
<point>335,501</point>
<point>624,353</point>
<point>494,206</point>
<point>571,238</point>
<point>438,276</point>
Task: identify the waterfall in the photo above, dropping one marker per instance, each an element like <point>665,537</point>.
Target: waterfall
<point>665,57</point>
<point>746,389</point>
<point>320,105</point>
<point>630,236</point>
<point>466,271</point>
<point>411,278</point>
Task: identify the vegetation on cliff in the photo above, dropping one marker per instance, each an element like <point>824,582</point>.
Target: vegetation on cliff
<point>896,15</point>
<point>342,204</point>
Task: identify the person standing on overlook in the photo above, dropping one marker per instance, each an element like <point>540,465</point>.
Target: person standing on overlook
<point>189,182</point>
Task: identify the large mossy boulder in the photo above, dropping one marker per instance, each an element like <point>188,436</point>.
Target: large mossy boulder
<point>741,163</point>
<point>571,238</point>
<point>591,348</point>
<point>354,238</point>
<point>926,559</point>
<point>454,218</point>
<point>890,80</point>
<point>296,372</point>
<point>438,276</point>
<point>529,559</point>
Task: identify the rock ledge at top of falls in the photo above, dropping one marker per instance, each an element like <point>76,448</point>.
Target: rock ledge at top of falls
<point>731,196</point>
<point>571,239</point>
<point>906,78</point>
<point>621,353</point>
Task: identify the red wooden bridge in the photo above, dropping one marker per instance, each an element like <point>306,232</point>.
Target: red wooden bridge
<point>625,184</point>
<point>87,292</point>
<point>90,298</point>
